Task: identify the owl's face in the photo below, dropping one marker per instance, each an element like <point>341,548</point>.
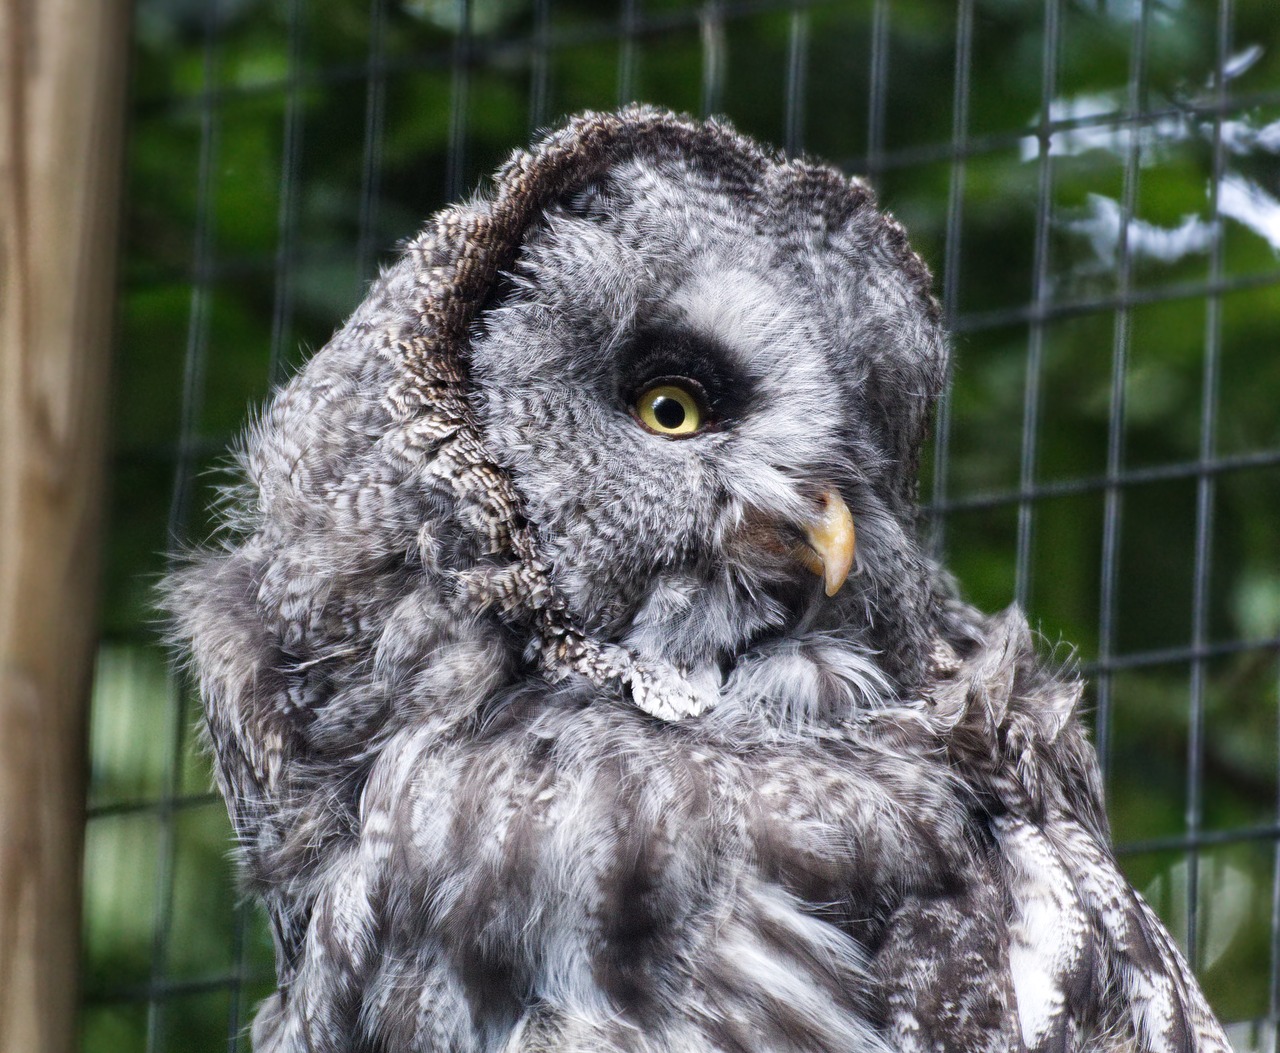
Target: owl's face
<point>681,380</point>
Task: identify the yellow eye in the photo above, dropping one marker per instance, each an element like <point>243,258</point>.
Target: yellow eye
<point>669,409</point>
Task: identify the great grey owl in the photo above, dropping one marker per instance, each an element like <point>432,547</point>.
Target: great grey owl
<point>537,729</point>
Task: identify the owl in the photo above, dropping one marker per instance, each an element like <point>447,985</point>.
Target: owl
<point>577,680</point>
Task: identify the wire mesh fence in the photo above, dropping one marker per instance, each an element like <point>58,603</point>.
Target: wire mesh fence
<point>1097,186</point>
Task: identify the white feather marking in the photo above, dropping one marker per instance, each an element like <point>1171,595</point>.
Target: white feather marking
<point>1049,933</point>
<point>755,966</point>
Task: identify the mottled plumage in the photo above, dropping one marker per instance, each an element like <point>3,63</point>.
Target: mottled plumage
<point>535,731</point>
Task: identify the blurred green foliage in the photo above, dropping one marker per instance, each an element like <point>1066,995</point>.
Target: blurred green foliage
<point>233,256</point>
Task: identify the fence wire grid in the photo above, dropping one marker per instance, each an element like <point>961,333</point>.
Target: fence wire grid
<point>1097,187</point>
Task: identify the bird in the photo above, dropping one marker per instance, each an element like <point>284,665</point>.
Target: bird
<point>576,674</point>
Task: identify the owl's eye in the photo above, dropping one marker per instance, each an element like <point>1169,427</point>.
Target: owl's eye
<point>672,406</point>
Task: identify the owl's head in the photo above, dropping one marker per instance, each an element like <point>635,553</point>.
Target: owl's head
<point>623,407</point>
<point>707,373</point>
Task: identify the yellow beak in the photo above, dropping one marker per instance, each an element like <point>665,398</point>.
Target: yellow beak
<point>830,541</point>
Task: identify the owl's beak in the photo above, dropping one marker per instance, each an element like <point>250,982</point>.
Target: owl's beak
<point>830,542</point>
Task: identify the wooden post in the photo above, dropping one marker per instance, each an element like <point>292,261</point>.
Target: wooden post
<point>62,79</point>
